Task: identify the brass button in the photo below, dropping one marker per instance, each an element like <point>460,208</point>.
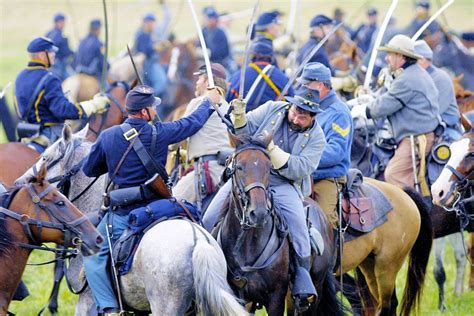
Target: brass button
<point>306,134</point>
<point>303,145</point>
<point>273,122</point>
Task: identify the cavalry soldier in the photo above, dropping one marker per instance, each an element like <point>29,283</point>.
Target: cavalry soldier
<point>154,74</point>
<point>217,41</point>
<point>364,33</point>
<point>320,25</point>
<point>295,151</point>
<point>40,100</point>
<point>448,107</point>
<point>89,58</point>
<point>422,14</point>
<point>411,106</point>
<point>336,122</point>
<point>267,26</point>
<point>64,53</point>
<point>111,154</point>
<point>204,146</point>
<point>263,80</point>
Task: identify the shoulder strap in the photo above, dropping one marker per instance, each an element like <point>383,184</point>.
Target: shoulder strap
<point>266,78</point>
<point>146,159</point>
<point>257,80</point>
<point>34,95</point>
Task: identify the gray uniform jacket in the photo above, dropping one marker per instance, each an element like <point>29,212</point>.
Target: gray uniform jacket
<point>410,104</point>
<point>306,152</point>
<point>448,106</point>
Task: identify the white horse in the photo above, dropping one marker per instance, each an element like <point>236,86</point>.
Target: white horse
<point>176,263</point>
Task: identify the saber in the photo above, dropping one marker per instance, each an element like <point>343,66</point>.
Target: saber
<point>290,27</point>
<point>207,62</point>
<point>413,161</point>
<point>134,66</point>
<point>106,54</point>
<point>306,60</point>
<point>246,51</point>
<point>378,41</point>
<point>431,19</point>
<point>2,94</point>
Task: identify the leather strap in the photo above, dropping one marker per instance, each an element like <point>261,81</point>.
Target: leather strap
<point>186,210</point>
<point>266,78</point>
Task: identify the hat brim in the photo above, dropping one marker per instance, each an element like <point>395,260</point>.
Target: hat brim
<point>303,80</point>
<point>298,103</point>
<point>53,49</point>
<point>157,102</point>
<point>390,49</point>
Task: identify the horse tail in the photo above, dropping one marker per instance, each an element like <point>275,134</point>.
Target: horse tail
<point>213,294</point>
<point>419,255</point>
<point>330,303</point>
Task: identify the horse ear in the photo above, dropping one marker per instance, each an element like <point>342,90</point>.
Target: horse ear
<point>233,139</point>
<point>466,123</point>
<point>41,175</point>
<point>67,133</point>
<point>83,132</point>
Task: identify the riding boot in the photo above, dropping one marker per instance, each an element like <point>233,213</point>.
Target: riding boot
<point>303,289</point>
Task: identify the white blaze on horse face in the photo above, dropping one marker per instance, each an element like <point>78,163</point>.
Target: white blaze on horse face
<point>443,185</point>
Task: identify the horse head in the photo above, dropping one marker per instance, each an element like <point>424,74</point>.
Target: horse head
<point>46,215</point>
<point>457,173</point>
<point>250,179</point>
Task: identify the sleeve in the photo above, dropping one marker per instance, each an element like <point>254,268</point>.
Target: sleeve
<point>144,45</point>
<point>220,45</point>
<point>391,101</point>
<point>95,164</point>
<point>255,118</point>
<point>338,139</point>
<point>58,104</point>
<point>303,164</point>
<point>187,126</point>
<point>163,27</point>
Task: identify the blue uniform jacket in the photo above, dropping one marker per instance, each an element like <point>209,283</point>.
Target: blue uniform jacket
<point>144,43</point>
<point>336,122</point>
<point>321,55</point>
<point>50,106</point>
<point>61,42</point>
<point>216,41</point>
<point>110,146</point>
<point>363,36</point>
<point>89,58</point>
<point>263,92</point>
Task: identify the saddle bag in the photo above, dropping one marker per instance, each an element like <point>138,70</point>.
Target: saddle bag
<point>28,130</point>
<point>358,215</point>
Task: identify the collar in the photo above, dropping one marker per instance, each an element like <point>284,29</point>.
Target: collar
<point>136,121</point>
<point>328,100</point>
<point>35,64</point>
<point>264,63</point>
<point>265,34</point>
<point>430,69</point>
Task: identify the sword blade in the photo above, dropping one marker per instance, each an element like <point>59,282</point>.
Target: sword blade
<point>246,51</point>
<point>431,19</point>
<point>134,66</point>
<point>306,60</point>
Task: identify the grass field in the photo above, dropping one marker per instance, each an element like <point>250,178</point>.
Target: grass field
<point>21,20</point>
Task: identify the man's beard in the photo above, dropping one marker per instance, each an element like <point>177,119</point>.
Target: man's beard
<point>295,127</point>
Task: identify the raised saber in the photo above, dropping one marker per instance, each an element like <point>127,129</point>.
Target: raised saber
<point>378,41</point>
<point>134,66</point>
<point>106,54</point>
<point>413,161</point>
<point>306,60</point>
<point>246,51</point>
<point>2,94</point>
<point>207,62</point>
<point>431,19</point>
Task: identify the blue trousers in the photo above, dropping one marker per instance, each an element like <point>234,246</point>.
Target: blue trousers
<point>97,272</point>
<point>53,133</point>
<point>286,199</point>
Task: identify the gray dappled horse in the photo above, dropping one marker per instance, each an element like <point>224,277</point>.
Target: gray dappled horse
<point>176,262</point>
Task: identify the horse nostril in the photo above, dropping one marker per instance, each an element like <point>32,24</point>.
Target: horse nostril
<point>441,194</point>
<point>99,240</point>
<point>252,217</point>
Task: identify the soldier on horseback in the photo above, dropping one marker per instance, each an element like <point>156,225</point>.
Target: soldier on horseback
<point>41,102</point>
<point>64,54</point>
<point>336,122</point>
<point>128,168</point>
<point>295,151</point>
<point>411,106</point>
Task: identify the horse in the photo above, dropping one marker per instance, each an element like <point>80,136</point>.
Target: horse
<point>165,277</point>
<point>249,222</point>
<point>30,215</point>
<point>80,87</point>
<point>19,157</point>
<point>464,97</point>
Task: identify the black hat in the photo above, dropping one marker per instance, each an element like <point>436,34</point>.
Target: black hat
<point>141,97</point>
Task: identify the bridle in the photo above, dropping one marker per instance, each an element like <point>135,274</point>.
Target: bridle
<point>72,235</point>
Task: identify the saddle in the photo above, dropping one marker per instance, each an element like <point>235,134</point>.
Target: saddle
<point>364,206</point>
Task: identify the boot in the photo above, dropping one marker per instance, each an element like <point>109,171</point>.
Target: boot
<point>304,292</point>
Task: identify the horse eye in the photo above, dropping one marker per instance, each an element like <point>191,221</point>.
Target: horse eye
<point>239,167</point>
<point>60,203</point>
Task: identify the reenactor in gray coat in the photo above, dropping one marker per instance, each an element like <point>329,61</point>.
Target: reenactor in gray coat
<point>410,105</point>
<point>295,151</point>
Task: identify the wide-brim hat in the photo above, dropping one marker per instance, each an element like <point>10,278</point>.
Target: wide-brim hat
<point>401,44</point>
<point>217,71</point>
<point>306,99</point>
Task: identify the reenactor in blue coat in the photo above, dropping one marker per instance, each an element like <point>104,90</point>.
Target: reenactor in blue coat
<point>320,25</point>
<point>336,122</point>
<point>267,26</point>
<point>40,100</point>
<point>263,80</point>
<point>105,157</point>
<point>89,57</point>
<point>64,54</point>
<point>364,33</point>
<point>217,41</point>
<point>422,14</point>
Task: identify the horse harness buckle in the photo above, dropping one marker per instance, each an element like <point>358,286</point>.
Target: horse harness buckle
<point>130,134</point>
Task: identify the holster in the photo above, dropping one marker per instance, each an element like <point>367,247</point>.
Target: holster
<point>27,130</point>
<point>129,196</point>
<point>157,185</point>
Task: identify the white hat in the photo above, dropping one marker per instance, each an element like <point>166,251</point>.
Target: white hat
<point>401,44</point>
<point>422,49</point>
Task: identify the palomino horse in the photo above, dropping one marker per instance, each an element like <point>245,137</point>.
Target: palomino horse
<point>30,215</point>
<point>250,225</point>
<point>19,157</point>
<point>80,87</point>
<point>165,277</point>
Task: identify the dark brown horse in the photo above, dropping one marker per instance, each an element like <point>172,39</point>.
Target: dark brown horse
<point>251,225</point>
<point>31,215</point>
<point>19,157</point>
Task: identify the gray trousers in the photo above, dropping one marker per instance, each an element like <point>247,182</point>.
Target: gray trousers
<point>286,199</point>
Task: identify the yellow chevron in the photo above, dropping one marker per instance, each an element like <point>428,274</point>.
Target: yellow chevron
<point>340,130</point>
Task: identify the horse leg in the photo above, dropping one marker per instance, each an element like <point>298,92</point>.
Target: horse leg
<point>368,270</point>
<point>276,305</point>
<point>439,273</point>
<point>386,274</point>
<point>471,278</point>
<point>458,247</point>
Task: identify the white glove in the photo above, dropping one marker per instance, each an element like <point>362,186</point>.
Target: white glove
<point>238,113</point>
<point>359,110</point>
<point>278,156</point>
<point>365,99</point>
<point>97,104</point>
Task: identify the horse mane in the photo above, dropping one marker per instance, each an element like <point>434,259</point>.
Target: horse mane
<point>246,141</point>
<point>6,239</point>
